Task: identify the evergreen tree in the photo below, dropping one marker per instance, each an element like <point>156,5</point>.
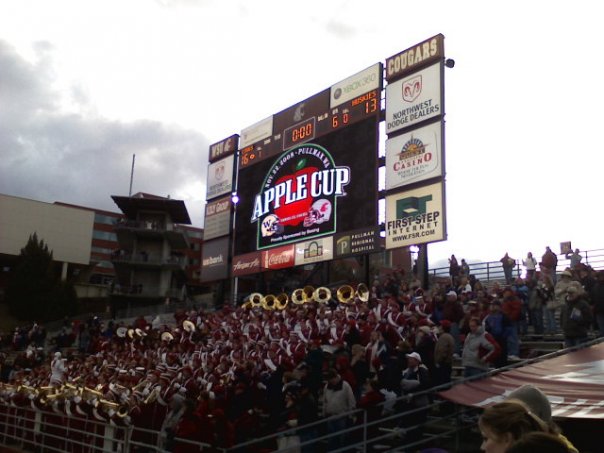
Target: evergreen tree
<point>34,291</point>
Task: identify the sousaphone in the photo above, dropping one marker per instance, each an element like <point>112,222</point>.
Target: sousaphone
<point>322,295</point>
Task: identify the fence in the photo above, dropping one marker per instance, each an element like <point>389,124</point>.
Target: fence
<point>493,270</point>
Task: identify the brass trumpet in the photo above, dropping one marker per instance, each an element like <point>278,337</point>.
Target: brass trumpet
<point>322,295</point>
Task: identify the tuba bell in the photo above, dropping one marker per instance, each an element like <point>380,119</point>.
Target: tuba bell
<point>282,301</point>
<point>298,296</point>
<point>256,300</point>
<point>322,295</point>
<point>362,292</point>
<point>345,294</point>
<point>268,302</point>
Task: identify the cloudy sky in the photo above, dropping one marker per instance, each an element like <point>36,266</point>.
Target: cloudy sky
<point>85,85</point>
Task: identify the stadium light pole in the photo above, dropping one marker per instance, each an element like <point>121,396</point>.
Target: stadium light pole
<point>234,280</point>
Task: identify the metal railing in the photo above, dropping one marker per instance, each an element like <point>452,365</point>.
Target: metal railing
<point>493,270</point>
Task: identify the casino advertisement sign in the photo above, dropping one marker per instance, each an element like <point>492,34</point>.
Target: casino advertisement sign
<point>309,191</point>
<point>415,156</point>
<point>415,217</point>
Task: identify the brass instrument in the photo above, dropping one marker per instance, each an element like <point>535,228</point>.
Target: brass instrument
<point>298,296</point>
<point>362,292</point>
<point>167,336</point>
<point>123,410</point>
<point>282,301</point>
<point>256,300</point>
<point>345,294</point>
<point>322,295</point>
<point>152,396</point>
<point>268,302</point>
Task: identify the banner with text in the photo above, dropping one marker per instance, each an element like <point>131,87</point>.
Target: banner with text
<point>217,219</point>
<point>214,260</point>
<point>414,99</point>
<point>415,156</point>
<point>415,217</point>
<point>220,177</point>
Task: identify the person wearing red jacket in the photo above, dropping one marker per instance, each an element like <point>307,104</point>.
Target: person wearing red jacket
<point>512,308</point>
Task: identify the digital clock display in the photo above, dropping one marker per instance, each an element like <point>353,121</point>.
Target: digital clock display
<point>299,133</point>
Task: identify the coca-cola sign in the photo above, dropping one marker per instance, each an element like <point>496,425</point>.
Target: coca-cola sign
<point>246,264</point>
<point>278,258</point>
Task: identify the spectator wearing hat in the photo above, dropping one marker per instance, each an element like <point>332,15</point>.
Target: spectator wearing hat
<point>443,354</point>
<point>539,404</point>
<point>416,379</point>
<point>576,316</point>
<point>338,399</point>
<point>597,301</point>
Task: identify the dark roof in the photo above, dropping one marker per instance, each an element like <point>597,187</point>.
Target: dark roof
<point>144,202</point>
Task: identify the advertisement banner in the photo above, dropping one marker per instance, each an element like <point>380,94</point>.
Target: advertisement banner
<point>356,85</point>
<point>220,177</point>
<point>415,217</point>
<point>217,219</point>
<point>246,264</point>
<point>224,148</point>
<point>415,156</point>
<point>320,249</point>
<point>256,132</point>
<point>299,196</point>
<point>214,260</point>
<point>278,257</point>
<point>364,240</point>
<point>414,99</point>
<point>415,57</point>
<point>310,190</point>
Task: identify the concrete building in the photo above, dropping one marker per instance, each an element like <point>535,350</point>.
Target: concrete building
<point>152,258</point>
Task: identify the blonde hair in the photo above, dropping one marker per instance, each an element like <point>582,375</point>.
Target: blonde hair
<point>511,417</point>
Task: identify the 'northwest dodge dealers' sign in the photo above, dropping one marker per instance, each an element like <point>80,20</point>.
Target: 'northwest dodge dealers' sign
<point>415,217</point>
<point>415,156</point>
<point>413,99</point>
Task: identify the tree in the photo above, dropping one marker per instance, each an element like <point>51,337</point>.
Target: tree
<point>34,291</point>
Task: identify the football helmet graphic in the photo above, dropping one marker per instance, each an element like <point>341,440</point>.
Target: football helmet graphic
<point>319,212</point>
<point>270,225</point>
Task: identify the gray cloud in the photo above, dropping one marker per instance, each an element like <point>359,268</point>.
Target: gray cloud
<point>83,158</point>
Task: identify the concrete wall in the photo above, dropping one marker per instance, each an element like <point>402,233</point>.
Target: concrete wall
<point>67,231</point>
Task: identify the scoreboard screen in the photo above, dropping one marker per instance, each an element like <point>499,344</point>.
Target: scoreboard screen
<point>318,178</point>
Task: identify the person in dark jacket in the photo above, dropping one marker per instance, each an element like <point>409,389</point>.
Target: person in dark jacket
<point>576,316</point>
<point>597,301</point>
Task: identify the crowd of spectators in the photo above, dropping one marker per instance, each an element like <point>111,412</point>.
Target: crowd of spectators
<point>227,376</point>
